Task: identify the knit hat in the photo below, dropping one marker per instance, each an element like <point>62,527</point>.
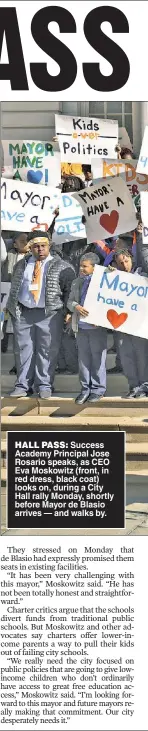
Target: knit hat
<point>38,234</point>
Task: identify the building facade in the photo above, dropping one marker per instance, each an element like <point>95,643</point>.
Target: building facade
<point>35,120</point>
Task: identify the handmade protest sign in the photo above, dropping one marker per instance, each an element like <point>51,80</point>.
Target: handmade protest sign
<point>142,166</point>
<point>35,162</point>
<point>118,301</point>
<point>5,289</point>
<point>68,225</point>
<point>25,206</point>
<point>123,138</point>
<point>81,139</point>
<point>144,216</point>
<point>108,209</point>
<point>134,181</point>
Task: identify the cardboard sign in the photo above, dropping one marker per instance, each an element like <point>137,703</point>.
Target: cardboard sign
<point>80,139</point>
<point>35,162</point>
<point>24,206</point>
<point>68,225</point>
<point>144,216</point>
<point>124,139</point>
<point>5,289</point>
<point>118,301</point>
<point>108,209</point>
<point>135,182</point>
<point>142,166</point>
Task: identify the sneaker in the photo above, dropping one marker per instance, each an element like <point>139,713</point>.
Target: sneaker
<point>18,393</point>
<point>45,394</point>
<point>130,394</point>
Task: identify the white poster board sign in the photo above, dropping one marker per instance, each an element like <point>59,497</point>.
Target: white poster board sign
<point>108,209</point>
<point>5,289</point>
<point>124,139</point>
<point>24,206</point>
<point>135,182</point>
<point>118,301</point>
<point>144,216</point>
<point>80,139</point>
<point>35,162</point>
<point>142,166</point>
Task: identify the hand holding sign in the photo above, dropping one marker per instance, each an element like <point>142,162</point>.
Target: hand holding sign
<point>108,208</point>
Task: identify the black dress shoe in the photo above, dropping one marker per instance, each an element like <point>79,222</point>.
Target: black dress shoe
<point>94,397</point>
<point>116,369</point>
<point>13,371</point>
<point>130,394</point>
<point>83,396</point>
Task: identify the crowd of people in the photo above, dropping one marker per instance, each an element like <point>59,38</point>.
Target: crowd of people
<point>47,300</point>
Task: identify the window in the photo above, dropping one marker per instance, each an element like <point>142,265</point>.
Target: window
<point>122,111</point>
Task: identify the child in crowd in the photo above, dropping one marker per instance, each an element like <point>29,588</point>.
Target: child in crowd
<point>91,340</point>
<point>133,350</point>
<point>18,250</point>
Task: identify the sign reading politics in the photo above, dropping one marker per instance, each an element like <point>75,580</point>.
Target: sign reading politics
<point>108,209</point>
<point>118,301</point>
<point>81,139</point>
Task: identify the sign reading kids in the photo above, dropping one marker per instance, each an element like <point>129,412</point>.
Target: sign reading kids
<point>81,139</point>
<point>119,301</point>
<point>108,208</point>
<point>34,162</point>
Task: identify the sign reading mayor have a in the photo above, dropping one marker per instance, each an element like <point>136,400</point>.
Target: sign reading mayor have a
<point>108,208</point>
<point>81,139</point>
<point>118,301</point>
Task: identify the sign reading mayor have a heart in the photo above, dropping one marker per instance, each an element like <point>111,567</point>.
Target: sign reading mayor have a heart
<point>81,139</point>
<point>108,208</point>
<point>33,161</point>
<point>118,301</point>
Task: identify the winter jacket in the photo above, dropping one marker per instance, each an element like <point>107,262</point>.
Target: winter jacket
<point>142,254</point>
<point>8,265</point>
<point>74,299</point>
<point>59,278</point>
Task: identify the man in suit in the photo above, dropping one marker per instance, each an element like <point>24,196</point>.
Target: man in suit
<point>37,303</point>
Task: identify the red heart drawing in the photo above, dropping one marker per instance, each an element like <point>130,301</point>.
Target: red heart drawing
<point>109,221</point>
<point>115,319</point>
